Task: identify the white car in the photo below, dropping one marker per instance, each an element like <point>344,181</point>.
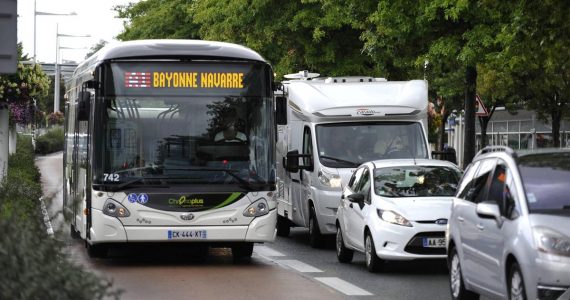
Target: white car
<point>396,210</point>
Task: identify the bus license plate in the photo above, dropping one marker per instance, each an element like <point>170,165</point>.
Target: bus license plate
<point>187,234</point>
<point>434,242</point>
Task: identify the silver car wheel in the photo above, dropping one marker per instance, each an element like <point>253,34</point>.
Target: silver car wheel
<point>455,276</point>
<point>517,288</point>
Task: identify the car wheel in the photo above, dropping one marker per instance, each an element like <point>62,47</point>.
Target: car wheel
<point>97,250</point>
<point>283,226</point>
<point>456,284</point>
<point>73,232</point>
<point>516,283</point>
<point>315,236</point>
<point>373,262</point>
<point>242,252</point>
<point>343,254</point>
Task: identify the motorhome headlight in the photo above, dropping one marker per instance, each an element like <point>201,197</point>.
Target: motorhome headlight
<point>329,179</point>
<point>551,242</point>
<point>393,217</point>
<point>115,209</point>
<point>257,209</point>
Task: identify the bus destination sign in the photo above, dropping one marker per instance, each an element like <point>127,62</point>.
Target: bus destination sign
<point>208,80</point>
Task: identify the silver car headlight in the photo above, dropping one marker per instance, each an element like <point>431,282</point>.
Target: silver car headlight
<point>257,208</point>
<point>329,179</point>
<point>551,242</point>
<point>393,217</point>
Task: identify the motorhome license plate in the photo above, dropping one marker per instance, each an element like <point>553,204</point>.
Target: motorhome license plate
<point>187,234</point>
<point>434,242</point>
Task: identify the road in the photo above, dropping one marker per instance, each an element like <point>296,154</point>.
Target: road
<point>286,269</point>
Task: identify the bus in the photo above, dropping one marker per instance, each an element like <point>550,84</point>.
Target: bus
<point>171,141</point>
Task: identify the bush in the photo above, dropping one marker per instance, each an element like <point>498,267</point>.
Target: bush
<point>32,264</point>
<point>50,142</point>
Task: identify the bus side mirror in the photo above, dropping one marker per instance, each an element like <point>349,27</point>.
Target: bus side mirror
<point>83,106</point>
<point>281,110</point>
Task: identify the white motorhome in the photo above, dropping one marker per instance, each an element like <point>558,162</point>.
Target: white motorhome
<point>329,126</point>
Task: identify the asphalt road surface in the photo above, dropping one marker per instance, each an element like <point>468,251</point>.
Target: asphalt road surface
<point>286,269</point>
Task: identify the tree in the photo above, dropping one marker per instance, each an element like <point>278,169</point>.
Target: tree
<point>95,48</point>
<point>453,36</point>
<point>536,52</point>
<point>158,19</point>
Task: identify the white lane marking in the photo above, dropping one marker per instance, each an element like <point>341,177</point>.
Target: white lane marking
<point>344,287</point>
<point>266,251</point>
<point>299,266</point>
<point>47,221</point>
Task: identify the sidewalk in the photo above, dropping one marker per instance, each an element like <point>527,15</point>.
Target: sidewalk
<point>51,169</point>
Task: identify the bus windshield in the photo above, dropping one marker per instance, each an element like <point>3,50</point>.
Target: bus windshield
<point>347,145</point>
<point>186,131</point>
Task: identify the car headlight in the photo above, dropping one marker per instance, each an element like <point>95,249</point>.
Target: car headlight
<point>329,179</point>
<point>115,209</point>
<point>393,217</point>
<point>551,242</point>
<point>257,209</point>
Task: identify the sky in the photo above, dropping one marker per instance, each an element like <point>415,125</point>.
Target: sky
<point>94,17</point>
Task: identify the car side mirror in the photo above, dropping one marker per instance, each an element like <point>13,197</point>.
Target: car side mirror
<point>356,198</point>
<point>489,210</point>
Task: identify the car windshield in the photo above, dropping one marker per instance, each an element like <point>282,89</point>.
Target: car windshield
<point>416,181</point>
<point>546,179</point>
<point>347,145</point>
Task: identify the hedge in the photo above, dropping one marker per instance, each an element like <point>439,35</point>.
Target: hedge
<point>50,142</point>
<point>34,265</point>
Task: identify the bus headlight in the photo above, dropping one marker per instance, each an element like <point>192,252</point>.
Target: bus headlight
<point>115,209</point>
<point>257,209</point>
<point>329,179</point>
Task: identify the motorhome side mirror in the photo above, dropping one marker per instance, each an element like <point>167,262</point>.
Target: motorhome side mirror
<point>292,161</point>
<point>447,154</point>
<point>281,110</point>
<point>83,106</point>
<point>356,198</point>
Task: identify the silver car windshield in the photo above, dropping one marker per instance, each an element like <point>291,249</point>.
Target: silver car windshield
<point>416,181</point>
<point>545,178</point>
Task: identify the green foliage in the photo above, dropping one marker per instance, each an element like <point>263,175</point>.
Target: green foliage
<point>33,265</point>
<point>158,19</point>
<point>95,48</point>
<point>50,142</point>
<point>30,82</point>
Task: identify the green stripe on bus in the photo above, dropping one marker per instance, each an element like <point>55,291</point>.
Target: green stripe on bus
<point>230,199</point>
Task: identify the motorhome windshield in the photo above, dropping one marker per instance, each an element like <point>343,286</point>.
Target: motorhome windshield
<point>345,145</point>
<point>169,136</point>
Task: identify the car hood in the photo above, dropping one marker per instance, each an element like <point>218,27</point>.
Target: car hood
<point>418,208</point>
<point>558,223</point>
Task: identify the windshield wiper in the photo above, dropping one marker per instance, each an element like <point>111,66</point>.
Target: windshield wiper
<point>341,160</point>
<point>232,172</point>
<point>128,184</point>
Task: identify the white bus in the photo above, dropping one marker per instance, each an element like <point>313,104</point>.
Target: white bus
<point>329,126</point>
<point>171,141</point>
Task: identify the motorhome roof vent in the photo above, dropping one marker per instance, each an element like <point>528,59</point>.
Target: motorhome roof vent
<point>349,79</point>
<point>302,75</point>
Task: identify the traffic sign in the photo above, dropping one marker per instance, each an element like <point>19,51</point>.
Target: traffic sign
<point>480,109</point>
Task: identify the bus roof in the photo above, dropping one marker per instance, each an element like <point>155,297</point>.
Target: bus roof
<point>169,49</point>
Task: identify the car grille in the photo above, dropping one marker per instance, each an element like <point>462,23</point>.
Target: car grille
<point>415,245</point>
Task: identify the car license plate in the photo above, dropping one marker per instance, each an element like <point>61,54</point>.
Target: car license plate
<point>187,234</point>
<point>434,242</point>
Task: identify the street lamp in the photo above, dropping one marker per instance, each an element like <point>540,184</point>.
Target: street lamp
<point>57,75</point>
<point>40,13</point>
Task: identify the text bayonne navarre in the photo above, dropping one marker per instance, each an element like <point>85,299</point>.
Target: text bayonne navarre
<point>190,80</point>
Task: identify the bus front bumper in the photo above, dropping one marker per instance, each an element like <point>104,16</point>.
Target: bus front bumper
<point>111,230</point>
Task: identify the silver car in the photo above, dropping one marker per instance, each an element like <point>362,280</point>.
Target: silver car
<point>508,236</point>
